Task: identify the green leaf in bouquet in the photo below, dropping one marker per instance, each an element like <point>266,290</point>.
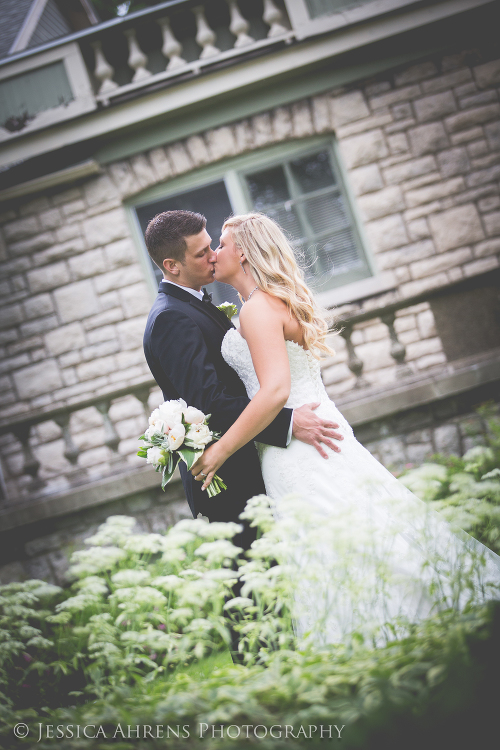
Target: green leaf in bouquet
<point>169,470</point>
<point>189,456</point>
<point>142,452</point>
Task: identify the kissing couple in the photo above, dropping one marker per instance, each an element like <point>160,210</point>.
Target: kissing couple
<point>262,382</point>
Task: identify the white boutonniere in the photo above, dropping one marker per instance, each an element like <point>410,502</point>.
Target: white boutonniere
<point>228,309</point>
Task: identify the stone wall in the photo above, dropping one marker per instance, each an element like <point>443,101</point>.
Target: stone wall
<point>421,146</point>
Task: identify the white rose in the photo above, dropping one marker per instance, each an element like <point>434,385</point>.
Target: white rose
<point>176,436</point>
<point>156,456</point>
<point>199,435</point>
<point>155,416</point>
<point>193,416</point>
<point>171,412</point>
<point>159,429</point>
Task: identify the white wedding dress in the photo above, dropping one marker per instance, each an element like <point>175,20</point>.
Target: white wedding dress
<point>364,554</point>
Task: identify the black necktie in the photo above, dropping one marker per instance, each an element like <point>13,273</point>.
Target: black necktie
<point>206,296</point>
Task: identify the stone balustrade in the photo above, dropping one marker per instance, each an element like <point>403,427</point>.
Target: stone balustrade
<point>187,38</point>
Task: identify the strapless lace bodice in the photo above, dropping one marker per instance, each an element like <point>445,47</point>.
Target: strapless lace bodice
<point>306,383</point>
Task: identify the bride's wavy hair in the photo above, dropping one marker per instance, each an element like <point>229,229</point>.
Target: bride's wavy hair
<point>276,272</point>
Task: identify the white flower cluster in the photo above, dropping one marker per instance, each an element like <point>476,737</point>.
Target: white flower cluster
<point>172,425</point>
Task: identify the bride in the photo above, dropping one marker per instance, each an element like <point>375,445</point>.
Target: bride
<point>364,553</point>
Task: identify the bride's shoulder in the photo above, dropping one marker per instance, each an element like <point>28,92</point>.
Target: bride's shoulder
<point>263,306</point>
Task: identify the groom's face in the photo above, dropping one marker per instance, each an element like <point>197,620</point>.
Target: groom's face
<point>197,268</point>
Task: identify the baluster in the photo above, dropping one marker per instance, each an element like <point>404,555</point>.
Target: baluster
<point>142,394</point>
<point>354,363</point>
<point>239,26</point>
<point>398,350</point>
<point>111,437</point>
<point>272,16</point>
<point>136,59</point>
<point>71,451</point>
<point>205,36</point>
<point>103,71</point>
<point>31,465</point>
<point>171,47</point>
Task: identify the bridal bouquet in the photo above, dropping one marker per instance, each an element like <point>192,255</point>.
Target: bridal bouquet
<point>178,432</point>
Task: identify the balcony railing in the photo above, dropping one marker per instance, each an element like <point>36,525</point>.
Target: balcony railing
<point>188,38</point>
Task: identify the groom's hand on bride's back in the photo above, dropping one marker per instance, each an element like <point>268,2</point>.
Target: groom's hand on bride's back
<point>311,429</point>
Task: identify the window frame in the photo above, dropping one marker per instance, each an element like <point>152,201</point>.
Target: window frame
<point>232,171</point>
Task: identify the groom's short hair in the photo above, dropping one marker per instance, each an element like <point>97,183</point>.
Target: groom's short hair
<point>166,234</point>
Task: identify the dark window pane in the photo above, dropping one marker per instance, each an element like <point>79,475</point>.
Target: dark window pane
<point>286,217</point>
<point>313,172</point>
<point>268,187</point>
<point>212,201</point>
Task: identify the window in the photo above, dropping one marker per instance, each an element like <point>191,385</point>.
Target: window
<point>300,188</point>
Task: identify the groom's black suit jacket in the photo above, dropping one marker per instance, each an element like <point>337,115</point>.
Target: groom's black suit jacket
<point>182,344</point>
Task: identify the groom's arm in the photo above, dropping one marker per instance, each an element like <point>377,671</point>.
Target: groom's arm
<point>181,349</point>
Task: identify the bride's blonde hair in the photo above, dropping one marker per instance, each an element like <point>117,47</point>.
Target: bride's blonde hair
<point>276,272</point>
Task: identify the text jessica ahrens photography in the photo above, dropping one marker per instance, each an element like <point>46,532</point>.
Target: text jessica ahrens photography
<point>160,731</point>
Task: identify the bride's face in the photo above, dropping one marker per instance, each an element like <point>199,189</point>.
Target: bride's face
<point>228,258</point>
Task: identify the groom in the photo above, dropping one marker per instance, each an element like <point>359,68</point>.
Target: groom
<point>182,344</point>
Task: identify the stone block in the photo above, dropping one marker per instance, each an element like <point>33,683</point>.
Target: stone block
<point>407,254</point>
<point>301,119</point>
<point>492,131</point>
<point>32,244</point>
<point>415,73</point>
<point>66,196</point>
<point>320,114</point>
<point>379,87</point>
<point>480,266</point>
<point>408,169</point>
<point>365,125</point>
<point>456,227</point>
<point>102,349</point>
<point>425,139</point>
<point>48,277</point>
<point>387,233</point>
<point>118,278</point>
<point>35,380</point>
<point>11,315</point>
<point>161,163</point>
<point>65,339</point>
<point>59,252</point>
<point>402,111</point>
<point>68,232</point>
<point>426,324</point>
<point>430,360</point>
<point>488,204</point>
<point>135,299</point>
<point>131,333</point>
<point>435,106</point>
<point>447,81</point>
<point>447,439</point>
<point>197,150</point>
<point>487,74</point>
<point>21,229</point>
<point>39,325</point>
<point>364,149</point>
<point>465,136</point>
<point>221,143</point>
<point>120,253</point>
<point>394,97</point>
<point>76,301</point>
<point>453,161</point>
<point>109,300</point>
<point>492,223</point>
<point>243,136</point>
<point>472,117</point>
<point>112,315</point>
<point>366,179</point>
<point>483,176</point>
<point>123,178</point>
<point>423,347</point>
<point>476,100</point>
<point>74,207</point>
<point>99,190</point>
<point>96,368</point>
<point>282,123</point>
<point>418,229</point>
<point>489,247</point>
<point>105,228</point>
<point>434,192</point>
<point>442,262</point>
<point>51,219</point>
<point>398,143</point>
<point>348,107</point>
<point>381,203</point>
<point>87,264</point>
<point>143,171</point>
<point>35,307</point>
<point>412,288</point>
<point>262,129</point>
